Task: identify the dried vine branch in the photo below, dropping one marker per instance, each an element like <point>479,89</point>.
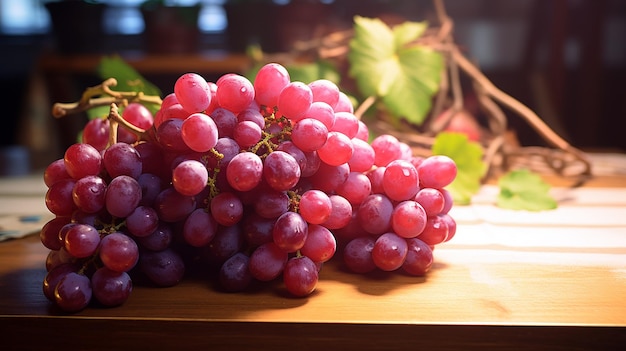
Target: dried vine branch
<point>498,153</point>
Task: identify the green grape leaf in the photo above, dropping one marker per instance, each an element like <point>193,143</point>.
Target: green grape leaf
<point>468,156</point>
<point>385,64</point>
<point>524,190</point>
<point>128,79</point>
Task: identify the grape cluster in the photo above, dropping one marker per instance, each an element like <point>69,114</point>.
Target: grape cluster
<point>255,180</point>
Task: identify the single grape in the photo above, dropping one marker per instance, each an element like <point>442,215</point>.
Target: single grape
<point>309,134</point>
<point>346,123</point>
<point>315,206</point>
<point>234,92</point>
<point>169,135</point>
<point>435,232</point>
<point>119,252</point>
<point>432,200</point>
<point>450,223</point>
<point>257,230</point>
<point>419,257</point>
<point>190,177</point>
<point>326,91</point>
<point>320,244</point>
<point>244,171</point>
<point>159,240</point>
<point>341,213</point>
<point>337,150</point>
<point>400,180</point>
<point>199,132</point>
<point>281,170</point>
<point>88,194</point>
<point>386,148</point>
<point>151,185</point>
<point>96,133</point>
<point>271,203</point>
<point>300,276</point>
<point>320,111</point>
<point>73,292</point>
<point>356,188</point>
<point>227,208</point>
<point>290,231</point>
<point>357,254</point>
<point>234,274</point>
<point>374,214</point>
<point>269,82</point>
<point>142,221</point>
<point>192,92</point>
<point>199,228</point>
<point>81,240</point>
<point>225,121</point>
<point>49,234</point>
<point>408,219</point>
<point>54,172</point>
<point>247,134</point>
<point>389,251</point>
<point>122,196</point>
<point>164,268</point>
<point>437,171</point>
<point>294,100</point>
<point>111,288</point>
<point>344,104</point>
<point>82,160</point>
<point>267,262</point>
<point>328,178</point>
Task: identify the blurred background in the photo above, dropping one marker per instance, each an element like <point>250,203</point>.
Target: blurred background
<point>565,59</point>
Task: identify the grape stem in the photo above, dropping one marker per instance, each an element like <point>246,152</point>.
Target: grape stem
<point>102,95</point>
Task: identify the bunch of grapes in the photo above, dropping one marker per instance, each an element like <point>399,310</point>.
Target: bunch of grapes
<point>256,181</point>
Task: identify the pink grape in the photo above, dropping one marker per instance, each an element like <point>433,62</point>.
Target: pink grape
<point>267,262</point>
<point>269,82</point>
<point>281,170</point>
<point>82,160</point>
<point>315,206</point>
<point>356,188</point>
<point>337,150</point>
<point>119,252</point>
<point>227,208</point>
<point>389,251</point>
<point>320,244</point>
<point>419,258</point>
<point>192,92</point>
<point>326,91</point>
<point>357,254</point>
<point>244,171</point>
<point>199,228</point>
<point>190,177</point>
<point>294,100</point>
<point>234,92</point>
<point>290,231</point>
<point>386,148</point>
<point>300,276</point>
<point>199,132</point>
<point>437,171</point>
<point>400,180</point>
<point>111,288</point>
<point>309,134</point>
<point>89,194</point>
<point>408,219</point>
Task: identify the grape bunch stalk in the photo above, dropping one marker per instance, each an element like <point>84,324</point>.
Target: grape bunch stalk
<point>255,181</point>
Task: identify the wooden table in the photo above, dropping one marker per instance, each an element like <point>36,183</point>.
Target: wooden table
<point>509,280</point>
